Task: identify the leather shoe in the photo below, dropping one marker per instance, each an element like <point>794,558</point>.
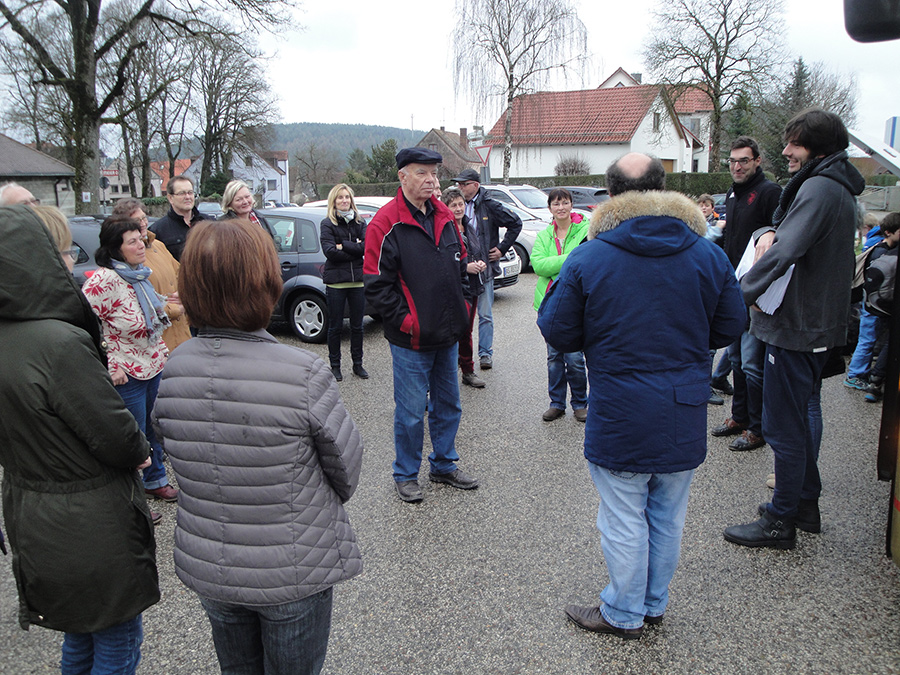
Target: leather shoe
<point>581,414</point>
<point>409,491</point>
<point>458,479</point>
<point>359,371</point>
<point>472,380</point>
<point>722,385</point>
<point>552,414</point>
<point>768,532</point>
<point>747,441</point>
<point>714,398</point>
<point>336,371</point>
<point>654,620</point>
<point>167,493</point>
<point>808,517</point>
<point>155,517</point>
<point>591,619</point>
<point>728,428</point>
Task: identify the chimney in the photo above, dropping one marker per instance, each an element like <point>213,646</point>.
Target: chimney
<point>464,138</point>
<point>442,129</point>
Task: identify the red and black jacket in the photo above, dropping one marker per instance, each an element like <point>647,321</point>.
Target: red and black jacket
<point>416,282</point>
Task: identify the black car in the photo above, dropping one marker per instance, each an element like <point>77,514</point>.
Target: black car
<point>584,197</point>
<point>86,237</point>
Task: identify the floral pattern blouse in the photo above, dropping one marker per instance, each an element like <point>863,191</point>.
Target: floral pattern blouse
<point>124,326</point>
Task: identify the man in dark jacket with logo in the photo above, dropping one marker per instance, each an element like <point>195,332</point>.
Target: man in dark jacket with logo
<point>813,241</point>
<point>173,228</point>
<point>749,205</point>
<point>487,216</point>
<point>647,352</point>
<point>415,275</point>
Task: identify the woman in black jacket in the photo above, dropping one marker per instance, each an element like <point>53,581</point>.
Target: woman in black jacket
<point>343,235</point>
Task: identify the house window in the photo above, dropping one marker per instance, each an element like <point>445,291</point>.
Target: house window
<point>248,161</point>
<point>272,185</point>
<point>694,125</point>
<point>656,120</point>
<point>695,165</point>
<point>114,188</point>
<point>125,188</point>
<point>432,146</point>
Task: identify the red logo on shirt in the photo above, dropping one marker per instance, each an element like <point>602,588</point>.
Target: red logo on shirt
<point>751,198</point>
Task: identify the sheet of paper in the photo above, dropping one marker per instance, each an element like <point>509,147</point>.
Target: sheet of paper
<point>771,300</point>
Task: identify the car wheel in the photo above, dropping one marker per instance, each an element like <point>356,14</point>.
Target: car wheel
<point>309,318</point>
<point>523,255</point>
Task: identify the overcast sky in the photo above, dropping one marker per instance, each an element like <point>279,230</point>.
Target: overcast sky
<point>388,63</point>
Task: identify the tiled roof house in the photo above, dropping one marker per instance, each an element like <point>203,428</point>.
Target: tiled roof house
<point>47,178</point>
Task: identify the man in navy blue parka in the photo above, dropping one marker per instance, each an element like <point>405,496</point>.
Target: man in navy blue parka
<point>645,298</point>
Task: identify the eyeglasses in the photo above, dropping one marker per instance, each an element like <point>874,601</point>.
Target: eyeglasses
<point>188,193</point>
<point>72,252</point>
<point>743,161</point>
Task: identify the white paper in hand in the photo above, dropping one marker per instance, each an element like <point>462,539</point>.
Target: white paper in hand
<point>771,300</point>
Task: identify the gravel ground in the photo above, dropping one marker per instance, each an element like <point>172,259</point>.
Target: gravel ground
<point>475,582</point>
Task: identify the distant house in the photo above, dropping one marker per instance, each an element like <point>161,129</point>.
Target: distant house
<point>266,173</point>
<point>163,174</point>
<point>599,125</point>
<point>455,150</point>
<point>47,178</point>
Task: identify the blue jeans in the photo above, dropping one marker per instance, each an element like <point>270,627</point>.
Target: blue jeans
<point>792,426</point>
<point>419,376</point>
<point>723,367</point>
<point>139,397</point>
<point>271,640</point>
<point>641,518</point>
<point>869,328</point>
<point>336,299</point>
<point>566,370</point>
<point>486,319</point>
<point>112,651</point>
<point>747,356</point>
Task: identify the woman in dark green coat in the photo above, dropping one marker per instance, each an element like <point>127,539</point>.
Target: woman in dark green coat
<point>83,552</point>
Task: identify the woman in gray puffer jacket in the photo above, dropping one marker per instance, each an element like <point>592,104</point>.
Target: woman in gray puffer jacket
<point>265,455</point>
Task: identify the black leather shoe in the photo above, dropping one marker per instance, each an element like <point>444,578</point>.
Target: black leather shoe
<point>714,398</point>
<point>654,620</point>
<point>359,371</point>
<point>458,479</point>
<point>728,428</point>
<point>336,371</point>
<point>768,532</point>
<point>747,441</point>
<point>591,619</point>
<point>808,518</point>
<point>722,385</point>
<point>409,491</point>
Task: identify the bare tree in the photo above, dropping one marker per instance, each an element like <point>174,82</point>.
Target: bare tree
<point>720,47</point>
<point>317,164</point>
<point>511,47</point>
<point>572,165</point>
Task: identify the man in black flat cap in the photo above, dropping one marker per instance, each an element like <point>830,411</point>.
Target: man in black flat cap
<point>487,217</point>
<point>415,275</point>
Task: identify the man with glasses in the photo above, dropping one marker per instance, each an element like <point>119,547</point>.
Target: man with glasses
<point>172,229</point>
<point>12,194</point>
<point>749,205</point>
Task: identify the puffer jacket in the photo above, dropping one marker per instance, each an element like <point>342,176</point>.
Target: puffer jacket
<point>83,550</point>
<point>265,455</point>
<point>645,299</point>
<point>546,261</point>
<point>343,265</point>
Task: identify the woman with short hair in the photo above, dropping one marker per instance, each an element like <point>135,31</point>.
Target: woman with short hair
<point>265,454</point>
<point>343,236</point>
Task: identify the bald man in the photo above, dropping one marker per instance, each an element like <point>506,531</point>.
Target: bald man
<point>13,193</point>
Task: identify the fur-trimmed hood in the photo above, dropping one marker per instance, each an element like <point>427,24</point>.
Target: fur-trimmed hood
<point>649,223</point>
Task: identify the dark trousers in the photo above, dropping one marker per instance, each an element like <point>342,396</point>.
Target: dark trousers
<point>466,362</point>
<point>746,356</point>
<point>336,299</point>
<point>791,380</point>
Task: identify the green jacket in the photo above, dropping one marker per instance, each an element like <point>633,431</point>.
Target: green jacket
<point>546,260</point>
<point>83,550</point>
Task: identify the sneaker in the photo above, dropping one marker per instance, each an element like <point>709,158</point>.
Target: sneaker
<point>472,380</point>
<point>486,362</point>
<point>874,392</point>
<point>856,383</point>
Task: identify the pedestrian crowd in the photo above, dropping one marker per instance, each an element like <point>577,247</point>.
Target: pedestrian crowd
<point>164,352</point>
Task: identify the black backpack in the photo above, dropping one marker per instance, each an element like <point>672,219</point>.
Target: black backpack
<point>880,276</point>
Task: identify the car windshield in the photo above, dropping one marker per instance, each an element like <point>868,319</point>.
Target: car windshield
<point>532,198</point>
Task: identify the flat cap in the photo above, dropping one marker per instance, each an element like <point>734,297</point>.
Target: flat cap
<point>466,175</point>
<point>417,156</point>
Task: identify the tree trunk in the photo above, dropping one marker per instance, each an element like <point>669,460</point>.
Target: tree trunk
<point>507,136</point>
<point>87,161</point>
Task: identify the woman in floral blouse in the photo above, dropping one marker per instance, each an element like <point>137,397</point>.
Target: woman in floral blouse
<point>134,317</point>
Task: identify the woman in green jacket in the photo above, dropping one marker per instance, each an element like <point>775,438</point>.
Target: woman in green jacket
<point>552,246</point>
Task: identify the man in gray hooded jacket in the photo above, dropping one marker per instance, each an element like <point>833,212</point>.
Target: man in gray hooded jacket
<point>813,242</point>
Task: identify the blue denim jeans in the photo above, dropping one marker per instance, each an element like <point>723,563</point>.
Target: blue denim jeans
<point>747,356</point>
<point>336,299</point>
<point>112,651</point>
<point>566,371</point>
<point>869,328</point>
<point>723,367</point>
<point>421,376</point>
<point>139,397</point>
<point>641,518</point>
<point>289,639</point>
<point>791,386</point>
<point>486,319</point>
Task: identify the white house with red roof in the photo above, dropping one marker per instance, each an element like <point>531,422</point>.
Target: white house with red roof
<point>599,125</point>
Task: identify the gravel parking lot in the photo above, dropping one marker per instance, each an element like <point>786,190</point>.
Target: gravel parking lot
<point>475,582</point>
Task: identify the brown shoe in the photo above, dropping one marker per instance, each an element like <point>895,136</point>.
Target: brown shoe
<point>747,441</point>
<point>552,414</point>
<point>155,517</point>
<point>581,414</point>
<point>591,619</point>
<point>167,493</point>
<point>728,428</point>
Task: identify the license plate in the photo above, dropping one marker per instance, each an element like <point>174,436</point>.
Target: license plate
<point>511,271</point>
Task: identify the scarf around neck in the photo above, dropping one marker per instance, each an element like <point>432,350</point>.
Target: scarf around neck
<point>791,189</point>
<point>152,305</point>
